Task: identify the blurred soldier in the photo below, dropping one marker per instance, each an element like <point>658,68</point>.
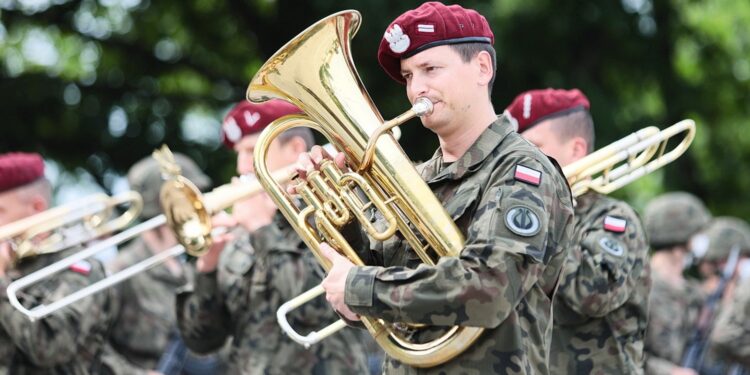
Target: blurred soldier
<point>727,240</point>
<point>238,289</point>
<point>730,338</point>
<point>510,202</point>
<point>671,220</point>
<point>600,312</point>
<point>146,318</point>
<point>69,340</point>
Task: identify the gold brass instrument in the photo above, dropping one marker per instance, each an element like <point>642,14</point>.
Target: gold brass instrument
<point>187,208</point>
<point>315,71</point>
<point>69,225</point>
<point>628,159</point>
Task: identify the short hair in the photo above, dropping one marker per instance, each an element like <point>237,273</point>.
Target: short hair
<point>302,132</point>
<point>468,51</point>
<point>41,187</point>
<point>576,124</point>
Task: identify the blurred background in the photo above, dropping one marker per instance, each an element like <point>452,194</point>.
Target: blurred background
<point>95,85</point>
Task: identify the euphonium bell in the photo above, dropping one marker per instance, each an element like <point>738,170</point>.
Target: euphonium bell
<point>315,72</point>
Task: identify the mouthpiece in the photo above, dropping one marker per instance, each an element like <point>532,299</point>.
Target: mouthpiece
<point>422,107</point>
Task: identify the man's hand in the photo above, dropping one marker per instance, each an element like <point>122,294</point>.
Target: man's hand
<point>310,161</point>
<point>682,371</point>
<point>335,282</point>
<point>208,261</point>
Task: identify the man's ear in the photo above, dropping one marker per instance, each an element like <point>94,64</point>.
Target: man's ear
<point>38,203</point>
<point>580,148</point>
<point>297,145</point>
<point>486,70</point>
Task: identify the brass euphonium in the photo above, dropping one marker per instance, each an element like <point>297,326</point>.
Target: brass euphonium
<point>315,71</point>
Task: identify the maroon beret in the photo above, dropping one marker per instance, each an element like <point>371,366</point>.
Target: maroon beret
<point>534,106</point>
<point>249,118</point>
<point>19,168</point>
<point>432,24</point>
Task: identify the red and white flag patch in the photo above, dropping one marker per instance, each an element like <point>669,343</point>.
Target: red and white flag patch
<point>83,267</point>
<point>615,224</point>
<point>528,175</point>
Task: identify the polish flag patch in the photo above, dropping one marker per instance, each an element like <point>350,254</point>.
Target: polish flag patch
<point>527,175</point>
<point>83,267</point>
<point>615,224</point>
<point>423,28</point>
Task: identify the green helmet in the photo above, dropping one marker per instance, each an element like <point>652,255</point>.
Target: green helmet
<point>671,219</point>
<point>145,177</point>
<point>724,234</point>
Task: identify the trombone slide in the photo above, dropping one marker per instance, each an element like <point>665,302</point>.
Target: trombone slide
<point>313,337</point>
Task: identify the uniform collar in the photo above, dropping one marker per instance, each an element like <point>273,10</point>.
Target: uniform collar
<point>434,170</point>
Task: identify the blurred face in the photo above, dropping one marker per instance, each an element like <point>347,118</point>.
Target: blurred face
<point>17,204</point>
<point>439,74</point>
<point>278,156</point>
<point>547,139</point>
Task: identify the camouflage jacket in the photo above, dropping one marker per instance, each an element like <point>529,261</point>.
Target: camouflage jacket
<point>146,316</point>
<point>673,313</point>
<point>730,339</point>
<point>256,274</point>
<point>515,211</point>
<point>68,341</point>
<point>601,305</point>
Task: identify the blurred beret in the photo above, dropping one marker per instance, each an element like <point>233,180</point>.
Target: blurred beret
<point>673,218</point>
<point>145,177</point>
<point>432,24</point>
<point>534,106</point>
<point>249,118</point>
<point>19,168</point>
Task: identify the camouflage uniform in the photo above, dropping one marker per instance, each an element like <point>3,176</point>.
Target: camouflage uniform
<point>516,236</point>
<point>68,341</point>
<point>146,317</point>
<point>672,316</point>
<point>601,306</point>
<point>256,274</point>
<point>731,336</point>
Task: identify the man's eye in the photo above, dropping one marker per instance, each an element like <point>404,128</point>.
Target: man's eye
<point>407,76</point>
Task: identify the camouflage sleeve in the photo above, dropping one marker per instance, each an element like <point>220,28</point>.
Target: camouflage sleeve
<point>201,315</point>
<point>506,252</point>
<point>54,339</point>
<point>731,335</point>
<point>602,271</point>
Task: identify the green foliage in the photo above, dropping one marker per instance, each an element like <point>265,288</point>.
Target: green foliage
<point>99,84</point>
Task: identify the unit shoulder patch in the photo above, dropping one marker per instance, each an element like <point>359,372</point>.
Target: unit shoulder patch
<point>522,221</point>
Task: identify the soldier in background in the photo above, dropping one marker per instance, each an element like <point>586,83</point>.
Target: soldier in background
<point>509,201</point>
<point>600,312</point>
<point>70,340</point>
<point>238,288</point>
<point>146,317</point>
<point>671,220</point>
<point>727,240</point>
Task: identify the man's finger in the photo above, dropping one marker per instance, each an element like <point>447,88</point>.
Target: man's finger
<point>329,252</point>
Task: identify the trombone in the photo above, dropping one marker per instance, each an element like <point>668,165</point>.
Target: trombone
<point>71,224</point>
<point>603,171</point>
<point>187,212</point>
